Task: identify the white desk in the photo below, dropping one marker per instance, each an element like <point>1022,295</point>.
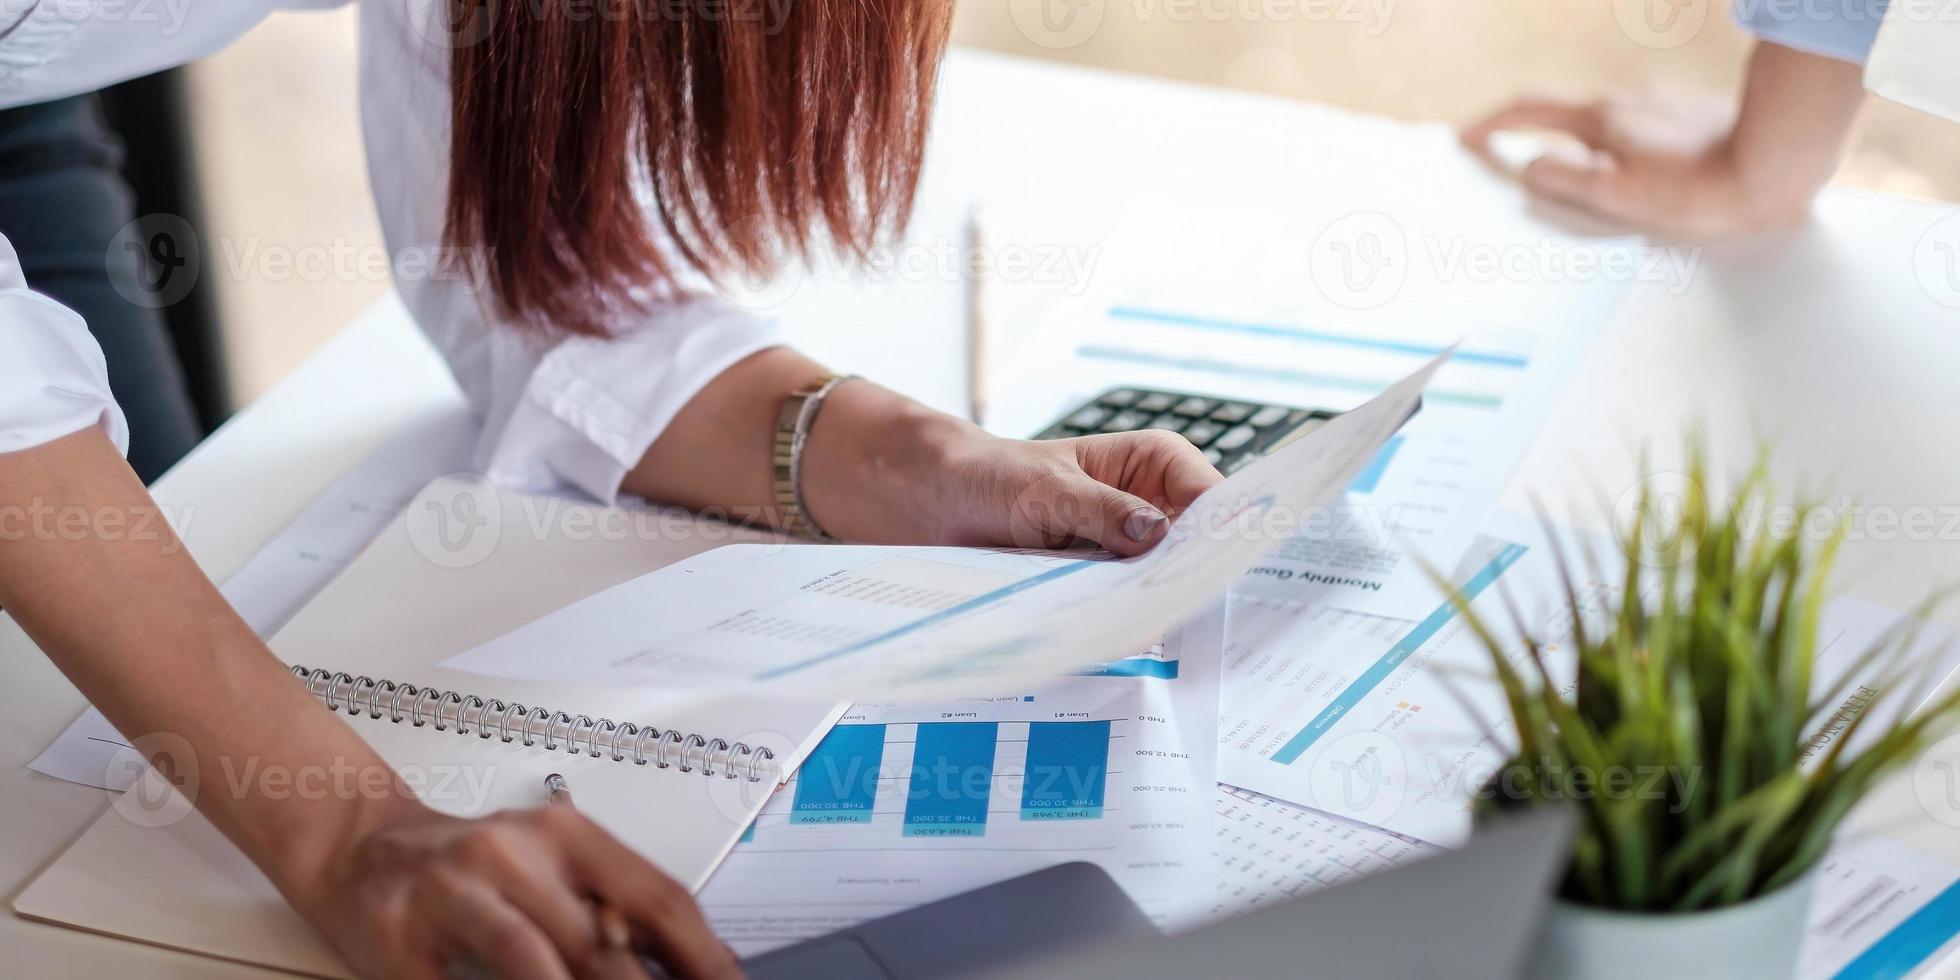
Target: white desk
<point>1824,338</point>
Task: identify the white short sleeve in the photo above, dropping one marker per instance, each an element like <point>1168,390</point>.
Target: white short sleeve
<point>53,380</point>
<point>566,414</point>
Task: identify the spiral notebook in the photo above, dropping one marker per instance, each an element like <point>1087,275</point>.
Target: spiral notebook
<point>678,780</point>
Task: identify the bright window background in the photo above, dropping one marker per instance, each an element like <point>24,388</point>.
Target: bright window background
<point>279,134</point>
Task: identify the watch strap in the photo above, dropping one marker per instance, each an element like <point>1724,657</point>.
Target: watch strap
<point>793,422</point>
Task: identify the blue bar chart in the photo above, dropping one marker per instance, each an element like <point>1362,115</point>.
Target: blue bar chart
<point>966,792</point>
<point>839,781</point>
<point>952,780</point>
<point>1068,767</point>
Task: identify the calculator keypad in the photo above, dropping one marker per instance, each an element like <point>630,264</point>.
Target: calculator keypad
<point>1231,433</point>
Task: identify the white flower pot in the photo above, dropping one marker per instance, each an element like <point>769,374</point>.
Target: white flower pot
<point>1757,939</point>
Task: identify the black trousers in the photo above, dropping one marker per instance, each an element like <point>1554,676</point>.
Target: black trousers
<point>62,202</point>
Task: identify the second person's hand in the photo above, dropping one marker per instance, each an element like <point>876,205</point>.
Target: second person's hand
<point>1693,166</point>
<point>1649,160</point>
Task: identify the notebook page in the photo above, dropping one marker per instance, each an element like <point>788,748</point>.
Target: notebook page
<point>396,612</point>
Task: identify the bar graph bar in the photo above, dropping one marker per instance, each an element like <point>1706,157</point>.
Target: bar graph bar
<point>839,781</point>
<point>952,779</point>
<point>1164,670</point>
<point>1068,765</point>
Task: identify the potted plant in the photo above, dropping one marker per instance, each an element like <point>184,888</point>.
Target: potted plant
<point>1704,668</point>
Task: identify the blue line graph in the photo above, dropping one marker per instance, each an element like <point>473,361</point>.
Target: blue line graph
<point>1314,336</point>
<point>935,619</point>
<point>1212,365</point>
<point>1305,738</point>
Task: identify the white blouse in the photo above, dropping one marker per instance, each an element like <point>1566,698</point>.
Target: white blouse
<point>575,413</point>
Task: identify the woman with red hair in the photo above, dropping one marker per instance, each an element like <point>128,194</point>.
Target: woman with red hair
<point>563,183</point>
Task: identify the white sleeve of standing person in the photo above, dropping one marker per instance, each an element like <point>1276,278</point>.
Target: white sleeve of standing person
<point>53,380</point>
<point>566,413</point>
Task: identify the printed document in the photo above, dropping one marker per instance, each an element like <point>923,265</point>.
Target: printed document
<point>909,803</point>
<point>932,622</point>
<point>1401,725</point>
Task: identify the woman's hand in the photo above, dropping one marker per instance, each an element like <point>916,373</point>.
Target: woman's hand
<point>513,895</point>
<point>880,468</point>
<point>1117,491</point>
<point>1692,166</point>
<point>927,478</point>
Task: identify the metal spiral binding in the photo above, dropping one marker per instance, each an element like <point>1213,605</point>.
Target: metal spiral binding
<point>509,721</point>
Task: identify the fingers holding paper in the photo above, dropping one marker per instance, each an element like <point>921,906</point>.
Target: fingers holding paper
<point>1116,491</point>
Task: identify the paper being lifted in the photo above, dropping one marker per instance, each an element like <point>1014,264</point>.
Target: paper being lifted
<point>859,622</point>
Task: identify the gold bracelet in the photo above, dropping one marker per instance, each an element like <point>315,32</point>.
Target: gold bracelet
<point>793,422</point>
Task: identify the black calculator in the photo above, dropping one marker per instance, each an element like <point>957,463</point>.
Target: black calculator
<point>1232,432</point>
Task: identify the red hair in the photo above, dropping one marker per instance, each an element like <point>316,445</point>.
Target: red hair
<point>756,125</point>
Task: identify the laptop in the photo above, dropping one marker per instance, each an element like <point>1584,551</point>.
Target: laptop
<point>1471,913</point>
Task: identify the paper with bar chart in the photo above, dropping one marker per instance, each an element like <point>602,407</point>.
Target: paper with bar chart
<point>907,803</point>
<point>860,622</point>
<point>1324,310</point>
